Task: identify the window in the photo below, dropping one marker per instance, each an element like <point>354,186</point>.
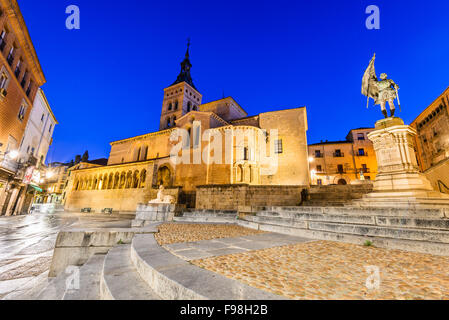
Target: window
<point>245,153</point>
<point>318,154</point>
<point>17,71</point>
<point>340,168</point>
<point>24,79</point>
<point>42,118</point>
<point>22,111</point>
<point>2,40</point>
<point>278,148</point>
<point>319,182</point>
<point>361,152</point>
<point>30,87</point>
<point>360,136</point>
<point>319,168</point>
<point>169,106</point>
<point>176,105</point>
<point>367,178</point>
<point>189,106</point>
<point>3,80</point>
<point>49,129</point>
<point>338,153</point>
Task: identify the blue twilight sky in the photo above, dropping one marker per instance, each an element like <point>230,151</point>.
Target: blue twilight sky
<point>105,81</point>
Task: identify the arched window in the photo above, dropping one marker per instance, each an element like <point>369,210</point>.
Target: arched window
<point>143,176</point>
<point>136,179</point>
<point>144,153</point>
<point>168,122</point>
<point>176,105</point>
<point>173,120</point>
<point>170,106</point>
<point>189,106</point>
<point>137,154</point>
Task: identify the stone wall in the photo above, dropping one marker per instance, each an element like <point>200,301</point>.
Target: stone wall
<point>246,198</point>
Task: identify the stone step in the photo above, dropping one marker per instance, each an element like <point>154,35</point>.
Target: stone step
<point>89,280</point>
<point>214,213</point>
<point>119,279</point>
<point>206,219</point>
<point>356,210</point>
<point>424,241</point>
<point>55,289</point>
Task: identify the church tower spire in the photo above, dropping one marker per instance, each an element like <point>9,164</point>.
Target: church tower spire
<point>181,97</point>
<point>184,75</point>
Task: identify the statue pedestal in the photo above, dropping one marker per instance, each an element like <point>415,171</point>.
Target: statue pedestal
<point>399,182</point>
<point>154,212</point>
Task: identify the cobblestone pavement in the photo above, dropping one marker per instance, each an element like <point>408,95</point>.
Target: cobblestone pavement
<point>183,232</point>
<point>331,270</point>
<point>27,244</point>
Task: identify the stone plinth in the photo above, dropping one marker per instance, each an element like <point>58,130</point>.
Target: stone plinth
<point>398,173</point>
<point>153,212</point>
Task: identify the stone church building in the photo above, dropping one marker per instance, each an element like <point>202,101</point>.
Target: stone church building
<point>138,165</point>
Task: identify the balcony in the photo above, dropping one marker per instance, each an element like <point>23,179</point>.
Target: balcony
<point>9,165</point>
<point>343,171</point>
<point>361,154</point>
<point>339,154</point>
<point>319,155</point>
<point>364,170</point>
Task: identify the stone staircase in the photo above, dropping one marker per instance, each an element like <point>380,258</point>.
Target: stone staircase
<point>419,229</point>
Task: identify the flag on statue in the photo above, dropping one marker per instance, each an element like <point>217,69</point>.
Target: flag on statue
<point>369,88</point>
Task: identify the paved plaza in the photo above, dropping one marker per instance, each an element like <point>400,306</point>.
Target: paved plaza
<point>27,244</point>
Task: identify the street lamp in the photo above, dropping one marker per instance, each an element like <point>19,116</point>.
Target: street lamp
<point>311,159</point>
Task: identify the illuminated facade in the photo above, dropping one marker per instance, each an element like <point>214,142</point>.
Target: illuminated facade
<point>340,162</point>
<point>138,165</point>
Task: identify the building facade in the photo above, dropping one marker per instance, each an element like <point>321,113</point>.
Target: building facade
<point>432,142</point>
<point>214,143</point>
<point>39,130</point>
<point>20,77</point>
<point>340,162</point>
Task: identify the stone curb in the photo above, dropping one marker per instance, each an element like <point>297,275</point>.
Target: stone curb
<point>175,279</point>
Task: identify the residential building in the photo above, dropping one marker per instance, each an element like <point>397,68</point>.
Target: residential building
<point>20,77</point>
<point>340,162</point>
<point>432,142</point>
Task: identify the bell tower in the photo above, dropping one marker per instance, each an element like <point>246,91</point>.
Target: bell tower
<point>180,97</point>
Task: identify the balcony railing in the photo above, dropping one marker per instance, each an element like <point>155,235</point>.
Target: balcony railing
<point>362,154</point>
<point>319,155</point>
<point>9,165</point>
<point>339,154</point>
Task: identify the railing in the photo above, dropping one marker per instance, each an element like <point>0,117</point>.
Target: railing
<point>339,154</point>
<point>319,155</point>
<point>359,154</point>
<point>9,165</point>
<point>442,187</point>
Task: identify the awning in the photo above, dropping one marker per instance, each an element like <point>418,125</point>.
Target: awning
<point>35,187</point>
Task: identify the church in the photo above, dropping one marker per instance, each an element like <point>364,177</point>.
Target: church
<point>137,166</point>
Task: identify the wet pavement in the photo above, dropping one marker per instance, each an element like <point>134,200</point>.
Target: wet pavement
<point>27,242</point>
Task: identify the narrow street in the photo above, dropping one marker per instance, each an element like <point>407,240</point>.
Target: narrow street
<point>26,247</point>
